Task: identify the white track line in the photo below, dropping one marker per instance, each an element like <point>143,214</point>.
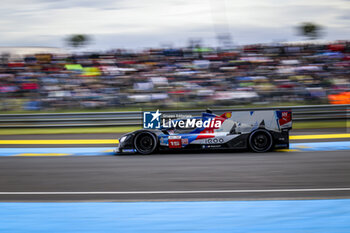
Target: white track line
<point>177,192</point>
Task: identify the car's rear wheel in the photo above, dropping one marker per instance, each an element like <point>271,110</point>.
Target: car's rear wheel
<point>260,141</point>
<point>145,143</point>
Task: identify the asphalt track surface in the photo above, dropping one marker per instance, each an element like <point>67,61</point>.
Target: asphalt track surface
<point>193,176</point>
<point>177,172</point>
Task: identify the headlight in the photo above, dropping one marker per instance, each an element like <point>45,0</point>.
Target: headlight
<point>122,139</point>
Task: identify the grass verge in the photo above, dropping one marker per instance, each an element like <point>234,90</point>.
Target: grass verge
<point>321,124</point>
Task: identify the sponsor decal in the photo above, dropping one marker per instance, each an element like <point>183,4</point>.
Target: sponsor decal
<point>281,145</point>
<point>284,117</point>
<point>214,140</point>
<point>128,150</point>
<point>163,141</point>
<point>184,141</point>
<point>211,146</point>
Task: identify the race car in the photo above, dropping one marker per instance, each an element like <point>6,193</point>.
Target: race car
<point>259,131</point>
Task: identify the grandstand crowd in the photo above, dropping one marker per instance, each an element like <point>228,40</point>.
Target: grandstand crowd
<point>306,73</point>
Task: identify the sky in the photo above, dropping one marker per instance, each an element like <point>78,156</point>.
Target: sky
<point>153,23</point>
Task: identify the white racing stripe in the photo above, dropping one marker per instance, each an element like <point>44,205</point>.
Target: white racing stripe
<point>177,192</point>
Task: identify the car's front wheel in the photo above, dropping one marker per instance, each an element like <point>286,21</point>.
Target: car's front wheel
<point>260,140</point>
<point>145,142</point>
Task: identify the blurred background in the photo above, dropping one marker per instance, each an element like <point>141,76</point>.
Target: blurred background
<point>78,55</point>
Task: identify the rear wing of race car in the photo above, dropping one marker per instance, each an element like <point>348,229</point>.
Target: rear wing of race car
<point>274,120</point>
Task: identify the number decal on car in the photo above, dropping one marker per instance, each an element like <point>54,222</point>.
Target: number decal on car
<point>174,142</point>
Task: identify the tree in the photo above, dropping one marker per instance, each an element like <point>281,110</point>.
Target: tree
<point>78,40</point>
<point>310,30</point>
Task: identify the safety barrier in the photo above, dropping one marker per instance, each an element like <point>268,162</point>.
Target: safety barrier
<point>134,118</point>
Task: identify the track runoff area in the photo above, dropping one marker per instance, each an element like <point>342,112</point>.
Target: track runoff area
<point>78,185</point>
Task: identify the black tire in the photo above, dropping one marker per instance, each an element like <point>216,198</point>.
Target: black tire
<point>145,142</point>
<point>260,141</point>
